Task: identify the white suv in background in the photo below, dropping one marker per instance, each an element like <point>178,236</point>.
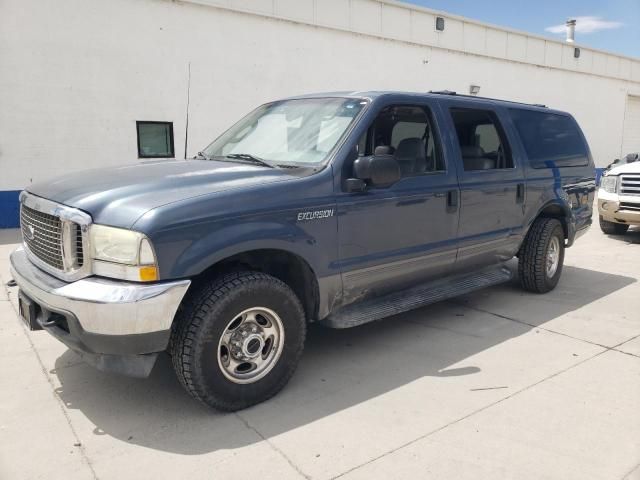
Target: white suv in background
<point>619,198</point>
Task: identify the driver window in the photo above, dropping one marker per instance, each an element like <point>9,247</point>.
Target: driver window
<point>408,133</point>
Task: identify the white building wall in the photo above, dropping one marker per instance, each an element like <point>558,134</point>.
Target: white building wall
<point>75,75</point>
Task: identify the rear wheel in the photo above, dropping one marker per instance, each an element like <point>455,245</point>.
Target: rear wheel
<point>612,228</point>
<point>542,256</point>
<point>238,340</point>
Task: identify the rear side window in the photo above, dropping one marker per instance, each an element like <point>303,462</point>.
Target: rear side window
<point>483,145</point>
<point>550,140</point>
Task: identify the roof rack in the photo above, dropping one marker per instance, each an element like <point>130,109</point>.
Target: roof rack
<point>443,92</point>
<point>452,93</point>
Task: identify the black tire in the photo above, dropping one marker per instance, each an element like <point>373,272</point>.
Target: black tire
<point>532,261</point>
<point>203,318</point>
<point>612,228</point>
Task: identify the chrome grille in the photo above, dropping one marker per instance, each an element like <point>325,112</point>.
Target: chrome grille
<point>78,245</point>
<point>630,184</point>
<point>56,237</point>
<point>42,234</point>
<point>634,207</point>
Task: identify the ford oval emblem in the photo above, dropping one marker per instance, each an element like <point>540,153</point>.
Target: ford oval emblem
<point>30,232</point>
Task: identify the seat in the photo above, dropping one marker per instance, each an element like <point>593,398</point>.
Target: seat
<point>473,158</point>
<point>411,156</point>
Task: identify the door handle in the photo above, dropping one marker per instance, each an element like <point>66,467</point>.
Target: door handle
<point>452,199</point>
<point>520,193</point>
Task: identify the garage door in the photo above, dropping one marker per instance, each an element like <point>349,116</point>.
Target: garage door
<point>631,135</point>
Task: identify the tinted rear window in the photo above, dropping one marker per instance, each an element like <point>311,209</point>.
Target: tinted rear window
<point>550,140</point>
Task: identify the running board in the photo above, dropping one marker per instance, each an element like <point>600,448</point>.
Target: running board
<point>415,297</point>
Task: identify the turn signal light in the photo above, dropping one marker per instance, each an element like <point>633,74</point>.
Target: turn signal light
<point>148,274</point>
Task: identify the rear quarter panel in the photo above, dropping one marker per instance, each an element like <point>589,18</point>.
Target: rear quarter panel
<point>569,188</point>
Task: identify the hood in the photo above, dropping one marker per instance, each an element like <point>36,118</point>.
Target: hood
<point>118,196</point>
<point>625,168</point>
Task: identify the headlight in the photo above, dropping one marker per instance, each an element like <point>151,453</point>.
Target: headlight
<point>123,254</point>
<point>609,184</point>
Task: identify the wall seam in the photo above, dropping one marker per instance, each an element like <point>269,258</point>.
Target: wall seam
<point>351,30</point>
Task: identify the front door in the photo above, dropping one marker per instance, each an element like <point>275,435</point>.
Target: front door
<point>395,237</point>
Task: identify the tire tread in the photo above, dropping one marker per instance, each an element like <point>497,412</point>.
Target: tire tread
<point>188,326</point>
<point>531,263</point>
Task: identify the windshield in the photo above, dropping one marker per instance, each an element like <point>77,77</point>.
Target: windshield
<point>299,132</point>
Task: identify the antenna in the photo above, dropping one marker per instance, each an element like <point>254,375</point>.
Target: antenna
<point>186,126</point>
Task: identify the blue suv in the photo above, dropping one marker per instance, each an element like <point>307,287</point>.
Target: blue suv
<point>338,208</point>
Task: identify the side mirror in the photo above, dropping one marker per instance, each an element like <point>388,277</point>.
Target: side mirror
<point>379,170</point>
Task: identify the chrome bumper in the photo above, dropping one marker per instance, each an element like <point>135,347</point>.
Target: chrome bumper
<point>612,208</point>
<point>102,306</point>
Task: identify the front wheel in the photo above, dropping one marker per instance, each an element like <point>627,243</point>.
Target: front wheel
<point>238,340</point>
<point>542,256</point>
<point>612,228</point>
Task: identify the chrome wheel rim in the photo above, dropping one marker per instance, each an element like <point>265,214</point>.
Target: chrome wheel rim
<point>553,256</point>
<point>250,345</point>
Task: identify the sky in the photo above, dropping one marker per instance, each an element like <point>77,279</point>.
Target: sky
<point>611,25</point>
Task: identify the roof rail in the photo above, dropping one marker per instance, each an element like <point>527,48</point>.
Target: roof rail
<point>443,92</point>
<point>450,92</point>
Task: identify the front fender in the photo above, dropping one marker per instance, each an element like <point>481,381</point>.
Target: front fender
<point>220,243</point>
<point>189,251</point>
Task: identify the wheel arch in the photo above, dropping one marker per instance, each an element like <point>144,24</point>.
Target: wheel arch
<point>558,211</point>
<point>282,264</point>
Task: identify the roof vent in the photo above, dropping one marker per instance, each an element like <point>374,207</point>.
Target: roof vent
<point>571,30</point>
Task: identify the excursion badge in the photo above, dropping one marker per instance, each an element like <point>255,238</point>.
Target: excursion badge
<point>314,215</point>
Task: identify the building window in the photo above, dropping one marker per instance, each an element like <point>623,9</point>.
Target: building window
<point>439,24</point>
<point>576,52</point>
<point>155,139</point>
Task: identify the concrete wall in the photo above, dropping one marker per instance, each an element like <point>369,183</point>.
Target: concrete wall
<point>75,75</point>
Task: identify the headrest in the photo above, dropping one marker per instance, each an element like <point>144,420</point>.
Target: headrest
<point>411,147</point>
<point>482,163</point>
<point>382,150</point>
<point>472,151</point>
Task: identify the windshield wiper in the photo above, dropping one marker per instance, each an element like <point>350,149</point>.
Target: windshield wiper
<point>203,155</point>
<point>250,158</point>
<point>287,165</point>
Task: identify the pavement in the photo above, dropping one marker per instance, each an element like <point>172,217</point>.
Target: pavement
<point>496,384</point>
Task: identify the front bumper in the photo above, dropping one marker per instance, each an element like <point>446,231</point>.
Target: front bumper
<point>619,208</point>
<point>114,325</point>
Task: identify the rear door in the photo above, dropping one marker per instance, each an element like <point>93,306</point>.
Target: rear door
<point>492,184</point>
<point>391,238</point>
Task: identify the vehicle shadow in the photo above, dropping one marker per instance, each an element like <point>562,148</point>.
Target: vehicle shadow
<point>340,369</point>
<point>632,236</point>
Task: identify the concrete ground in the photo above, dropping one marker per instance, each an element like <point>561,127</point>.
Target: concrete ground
<point>496,384</point>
